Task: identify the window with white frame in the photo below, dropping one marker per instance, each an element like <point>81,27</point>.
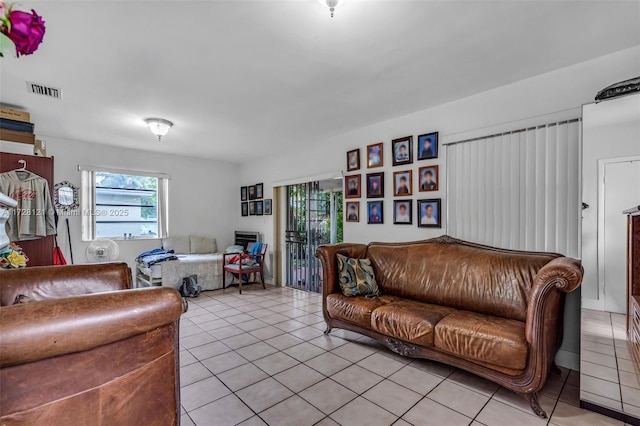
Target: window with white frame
<point>123,204</point>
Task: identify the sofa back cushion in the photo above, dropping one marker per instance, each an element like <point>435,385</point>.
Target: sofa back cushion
<point>457,274</point>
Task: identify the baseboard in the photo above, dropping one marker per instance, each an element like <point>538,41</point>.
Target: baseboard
<point>568,359</point>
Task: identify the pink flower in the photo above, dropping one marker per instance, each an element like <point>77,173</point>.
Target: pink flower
<point>27,31</point>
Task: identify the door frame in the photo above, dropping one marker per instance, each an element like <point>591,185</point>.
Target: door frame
<point>602,163</point>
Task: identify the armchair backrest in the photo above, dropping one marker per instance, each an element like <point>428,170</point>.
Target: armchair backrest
<point>263,251</point>
<point>55,282</point>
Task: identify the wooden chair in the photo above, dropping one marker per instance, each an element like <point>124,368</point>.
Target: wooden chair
<point>241,269</point>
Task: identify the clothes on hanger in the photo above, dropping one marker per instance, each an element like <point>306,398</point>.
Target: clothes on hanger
<point>34,216</point>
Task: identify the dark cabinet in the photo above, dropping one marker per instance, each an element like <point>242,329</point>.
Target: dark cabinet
<point>40,251</point>
<point>633,283</point>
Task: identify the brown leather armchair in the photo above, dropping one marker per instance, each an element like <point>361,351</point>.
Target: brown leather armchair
<point>86,349</point>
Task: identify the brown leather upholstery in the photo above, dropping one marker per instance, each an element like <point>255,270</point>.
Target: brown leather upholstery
<point>478,337</point>
<point>425,272</point>
<point>356,310</point>
<point>42,282</point>
<point>409,321</point>
<point>494,312</point>
<point>103,358</point>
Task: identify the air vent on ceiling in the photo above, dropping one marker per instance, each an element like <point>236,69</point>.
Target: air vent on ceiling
<point>41,89</point>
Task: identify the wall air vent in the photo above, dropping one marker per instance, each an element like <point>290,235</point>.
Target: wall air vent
<point>41,89</point>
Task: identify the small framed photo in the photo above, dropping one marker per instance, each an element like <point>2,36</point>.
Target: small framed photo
<point>402,150</point>
<point>430,214</point>
<point>243,193</point>
<point>402,213</point>
<point>403,183</point>
<point>428,178</point>
<point>259,191</point>
<point>252,208</point>
<point>259,208</point>
<point>353,160</point>
<point>252,192</point>
<point>375,155</point>
<point>352,184</point>
<point>244,208</point>
<point>375,185</point>
<point>353,211</point>
<point>374,210</point>
<point>428,146</point>
<point>267,207</point>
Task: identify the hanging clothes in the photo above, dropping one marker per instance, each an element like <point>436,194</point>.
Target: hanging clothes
<point>34,215</point>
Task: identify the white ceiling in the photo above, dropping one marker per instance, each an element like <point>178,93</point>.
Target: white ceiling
<point>244,79</point>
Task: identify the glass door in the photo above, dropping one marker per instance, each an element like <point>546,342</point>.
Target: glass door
<point>311,209</point>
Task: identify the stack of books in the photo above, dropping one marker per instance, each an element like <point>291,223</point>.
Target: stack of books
<point>16,126</point>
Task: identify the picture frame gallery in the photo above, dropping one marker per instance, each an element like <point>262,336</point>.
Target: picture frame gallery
<point>427,212</point>
<point>252,202</point>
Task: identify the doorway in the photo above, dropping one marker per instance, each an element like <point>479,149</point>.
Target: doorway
<point>619,190</point>
<point>314,217</point>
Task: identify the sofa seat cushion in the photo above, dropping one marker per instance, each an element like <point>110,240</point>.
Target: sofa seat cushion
<point>489,340</point>
<point>409,320</point>
<point>356,310</point>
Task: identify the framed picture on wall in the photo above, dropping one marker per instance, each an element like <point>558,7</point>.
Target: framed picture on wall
<point>352,186</point>
<point>375,185</point>
<point>252,192</point>
<point>402,212</point>
<point>428,146</point>
<point>267,206</point>
<point>244,208</point>
<point>259,208</point>
<point>430,213</point>
<point>374,212</point>
<point>353,160</point>
<point>403,183</point>
<point>428,178</point>
<point>402,150</point>
<point>353,211</point>
<point>375,155</point>
<point>259,191</point>
<point>252,208</point>
<point>243,193</point>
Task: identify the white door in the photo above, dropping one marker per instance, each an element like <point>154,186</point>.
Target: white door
<point>621,191</point>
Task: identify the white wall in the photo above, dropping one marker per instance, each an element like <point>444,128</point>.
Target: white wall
<point>611,130</point>
<point>537,100</point>
<point>201,201</point>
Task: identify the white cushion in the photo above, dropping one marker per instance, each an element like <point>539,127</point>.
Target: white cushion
<point>177,244</point>
<point>203,245</point>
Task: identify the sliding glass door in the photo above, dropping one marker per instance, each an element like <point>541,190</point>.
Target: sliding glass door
<point>314,217</point>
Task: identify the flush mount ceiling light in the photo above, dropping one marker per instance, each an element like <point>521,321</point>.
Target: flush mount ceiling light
<point>158,126</point>
<point>331,4</point>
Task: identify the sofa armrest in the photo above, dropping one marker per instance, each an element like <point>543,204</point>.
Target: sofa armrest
<point>563,274</point>
<point>40,330</point>
<point>327,256</point>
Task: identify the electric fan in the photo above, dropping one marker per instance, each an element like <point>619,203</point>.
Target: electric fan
<point>102,250</point>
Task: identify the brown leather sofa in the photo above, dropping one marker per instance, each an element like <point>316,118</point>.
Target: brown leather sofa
<point>86,349</point>
<point>493,312</point>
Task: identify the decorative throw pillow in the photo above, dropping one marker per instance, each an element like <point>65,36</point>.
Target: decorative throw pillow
<point>179,245</point>
<point>357,277</point>
<point>203,245</point>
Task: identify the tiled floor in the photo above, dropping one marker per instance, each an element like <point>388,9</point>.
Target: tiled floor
<point>608,376</point>
<point>261,358</point>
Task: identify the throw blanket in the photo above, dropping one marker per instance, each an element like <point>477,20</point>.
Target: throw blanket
<point>151,257</point>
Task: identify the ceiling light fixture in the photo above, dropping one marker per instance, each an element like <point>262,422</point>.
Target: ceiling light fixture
<point>331,4</point>
<point>158,126</point>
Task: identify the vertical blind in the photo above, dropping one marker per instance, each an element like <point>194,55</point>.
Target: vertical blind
<point>517,190</point>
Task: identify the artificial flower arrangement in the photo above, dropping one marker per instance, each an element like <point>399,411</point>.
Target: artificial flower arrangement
<point>12,257</point>
<point>20,32</point>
